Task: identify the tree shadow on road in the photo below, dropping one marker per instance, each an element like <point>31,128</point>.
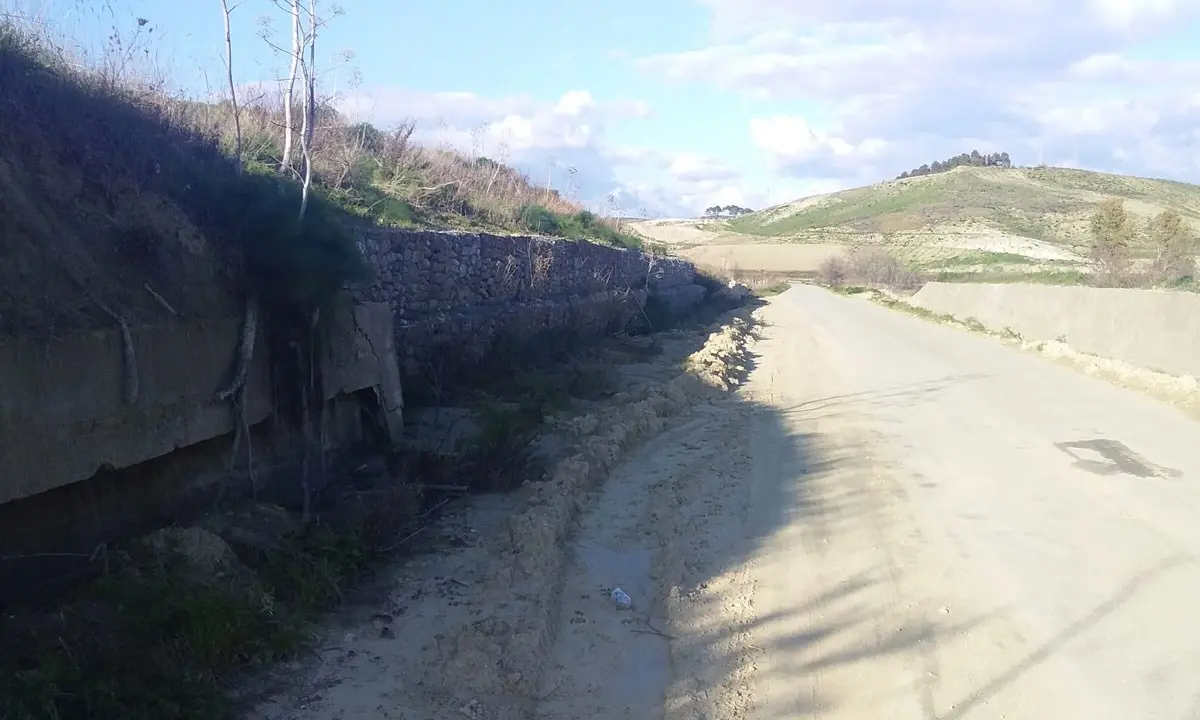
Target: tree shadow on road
<point>834,629</point>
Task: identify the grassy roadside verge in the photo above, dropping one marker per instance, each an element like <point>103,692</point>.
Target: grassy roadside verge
<point>170,620</point>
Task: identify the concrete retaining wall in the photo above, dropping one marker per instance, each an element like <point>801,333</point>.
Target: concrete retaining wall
<point>1154,329</point>
<point>63,416</point>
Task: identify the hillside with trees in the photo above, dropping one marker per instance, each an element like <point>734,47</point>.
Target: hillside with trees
<point>971,159</point>
<point>716,211</point>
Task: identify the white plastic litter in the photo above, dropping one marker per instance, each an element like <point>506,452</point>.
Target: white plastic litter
<point>622,600</point>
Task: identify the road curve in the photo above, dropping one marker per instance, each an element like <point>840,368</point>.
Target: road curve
<point>968,530</point>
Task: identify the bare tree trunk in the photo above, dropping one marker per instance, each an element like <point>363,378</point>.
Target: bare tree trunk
<point>237,393</point>
<point>289,94</point>
<point>237,119</point>
<point>310,105</point>
<point>312,72</point>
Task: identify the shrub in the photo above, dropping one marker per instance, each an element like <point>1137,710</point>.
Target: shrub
<point>537,219</point>
<point>1175,245</point>
<point>878,266</point>
<point>833,271</point>
<point>1112,231</point>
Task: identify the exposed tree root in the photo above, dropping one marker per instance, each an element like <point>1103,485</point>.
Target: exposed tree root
<point>238,391</point>
<point>128,354</point>
<point>246,351</point>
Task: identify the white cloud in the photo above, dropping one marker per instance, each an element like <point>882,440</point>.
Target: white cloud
<point>549,140</point>
<point>790,139</point>
<point>896,83</point>
<point>692,167</point>
<point>856,91</point>
<point>1124,13</point>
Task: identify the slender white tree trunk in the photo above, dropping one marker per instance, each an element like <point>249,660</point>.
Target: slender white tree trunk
<point>310,105</point>
<point>237,118</point>
<point>289,92</point>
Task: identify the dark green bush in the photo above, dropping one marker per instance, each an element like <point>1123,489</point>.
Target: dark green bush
<point>537,219</point>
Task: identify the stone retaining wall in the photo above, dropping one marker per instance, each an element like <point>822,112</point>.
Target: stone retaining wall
<point>468,291</point>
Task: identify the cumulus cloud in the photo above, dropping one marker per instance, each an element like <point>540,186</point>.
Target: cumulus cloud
<point>561,142</point>
<point>791,142</point>
<point>695,168</point>
<point>853,92</point>
<point>895,83</point>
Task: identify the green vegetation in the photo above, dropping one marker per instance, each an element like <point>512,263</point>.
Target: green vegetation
<point>771,290</point>
<point>385,177</point>
<point>580,224</point>
<point>853,208</point>
<point>981,257</point>
<point>1045,204</point>
<point>973,159</point>
<point>1037,277</point>
<point>159,636</point>
<point>1172,248</point>
<point>1112,231</point>
<point>1175,248</point>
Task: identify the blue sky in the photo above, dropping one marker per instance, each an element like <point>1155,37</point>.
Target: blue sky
<point>678,104</point>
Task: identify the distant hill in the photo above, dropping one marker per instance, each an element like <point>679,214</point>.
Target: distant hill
<point>1048,205</point>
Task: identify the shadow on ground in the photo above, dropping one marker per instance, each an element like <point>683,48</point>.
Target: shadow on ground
<point>834,628</point>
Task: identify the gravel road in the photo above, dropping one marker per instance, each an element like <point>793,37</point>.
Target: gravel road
<point>893,519</point>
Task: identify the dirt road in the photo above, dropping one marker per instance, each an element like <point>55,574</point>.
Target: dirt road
<point>892,519</point>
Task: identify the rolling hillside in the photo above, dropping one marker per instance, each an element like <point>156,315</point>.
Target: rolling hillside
<point>969,222</point>
<point>1016,209</point>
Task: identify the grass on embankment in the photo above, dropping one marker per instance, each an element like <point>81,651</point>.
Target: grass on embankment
<point>370,172</point>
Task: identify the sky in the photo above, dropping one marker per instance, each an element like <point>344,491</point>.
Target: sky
<point>670,106</point>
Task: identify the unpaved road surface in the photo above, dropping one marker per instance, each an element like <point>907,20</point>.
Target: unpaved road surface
<point>891,519</point>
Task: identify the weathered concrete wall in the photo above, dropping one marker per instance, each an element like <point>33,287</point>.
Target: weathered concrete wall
<point>63,417</point>
<point>1154,329</point>
<point>465,290</point>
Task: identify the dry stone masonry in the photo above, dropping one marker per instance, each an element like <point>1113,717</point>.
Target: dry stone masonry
<point>466,292</point>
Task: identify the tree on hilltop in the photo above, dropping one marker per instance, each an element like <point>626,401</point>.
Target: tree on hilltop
<point>973,159</point>
<point>726,211</point>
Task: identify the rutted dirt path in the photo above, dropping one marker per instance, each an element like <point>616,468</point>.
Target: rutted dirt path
<point>467,628</point>
<point>612,663</point>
